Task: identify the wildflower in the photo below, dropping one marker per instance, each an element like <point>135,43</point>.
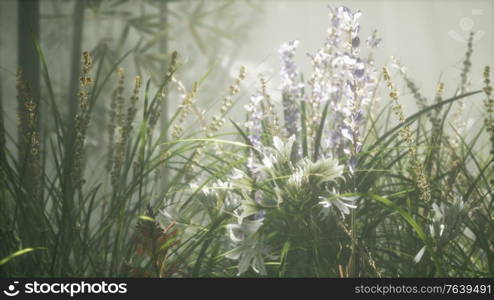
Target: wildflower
<point>436,119</point>
<point>343,204</point>
<point>82,119</point>
<point>29,135</point>
<point>345,79</point>
<point>291,87</point>
<point>297,179</point>
<point>420,99</point>
<point>117,141</point>
<point>458,118</point>
<point>206,190</point>
<point>250,253</point>
<point>467,63</point>
<point>218,120</point>
<point>273,123</point>
<point>373,41</point>
<point>240,180</point>
<point>230,204</point>
<point>220,190</point>
<point>132,109</point>
<point>284,149</point>
<point>249,207</point>
<point>406,135</point>
<point>238,232</point>
<point>321,171</point>
<point>185,109</point>
<point>273,157</point>
<point>290,77</point>
<point>254,125</point>
<point>489,106</point>
<point>255,118</point>
<point>419,255</point>
<point>249,248</point>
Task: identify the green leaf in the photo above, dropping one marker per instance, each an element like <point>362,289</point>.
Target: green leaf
<point>283,258</point>
<point>317,143</point>
<point>146,218</point>
<point>18,253</point>
<point>418,229</point>
<point>304,128</point>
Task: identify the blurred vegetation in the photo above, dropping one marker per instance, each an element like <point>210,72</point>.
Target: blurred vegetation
<point>115,169</point>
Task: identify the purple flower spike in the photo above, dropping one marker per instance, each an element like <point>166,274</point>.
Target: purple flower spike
<point>291,87</point>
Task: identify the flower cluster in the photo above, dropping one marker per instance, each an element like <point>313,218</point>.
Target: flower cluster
<point>305,184</point>
<point>489,106</point>
<point>254,124</point>
<point>291,87</point>
<point>28,118</point>
<point>406,135</point>
<point>341,78</point>
<point>82,118</point>
<point>297,170</point>
<point>345,79</point>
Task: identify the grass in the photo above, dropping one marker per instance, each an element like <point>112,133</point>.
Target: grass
<point>65,213</point>
<point>393,196</point>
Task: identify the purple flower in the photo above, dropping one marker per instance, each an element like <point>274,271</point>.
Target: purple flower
<point>291,86</point>
<point>373,41</point>
<point>254,125</point>
<point>342,76</point>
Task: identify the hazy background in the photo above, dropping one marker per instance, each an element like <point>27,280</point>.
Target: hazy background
<point>428,37</point>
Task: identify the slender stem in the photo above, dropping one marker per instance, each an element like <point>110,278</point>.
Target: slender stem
<point>163,45</point>
<point>352,267</point>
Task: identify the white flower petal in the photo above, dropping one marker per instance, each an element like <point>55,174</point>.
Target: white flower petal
<point>419,255</point>
<point>278,144</point>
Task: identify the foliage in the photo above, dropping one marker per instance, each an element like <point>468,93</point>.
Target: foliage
<point>318,184</point>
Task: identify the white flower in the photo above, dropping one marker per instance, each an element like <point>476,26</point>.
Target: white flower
<point>278,144</point>
<point>433,231</point>
<point>419,255</point>
<point>297,178</point>
<point>282,150</point>
<point>268,161</point>
<point>250,253</point>
<point>249,248</point>
<point>237,174</point>
<point>231,203</point>
<point>238,232</point>
<point>321,171</point>
<point>343,204</point>
<point>249,207</point>
<point>240,180</point>
<point>469,233</point>
<point>206,190</point>
<point>222,184</point>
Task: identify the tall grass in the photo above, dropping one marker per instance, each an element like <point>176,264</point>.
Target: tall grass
<point>67,212</point>
<point>343,190</point>
<point>325,185</point>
